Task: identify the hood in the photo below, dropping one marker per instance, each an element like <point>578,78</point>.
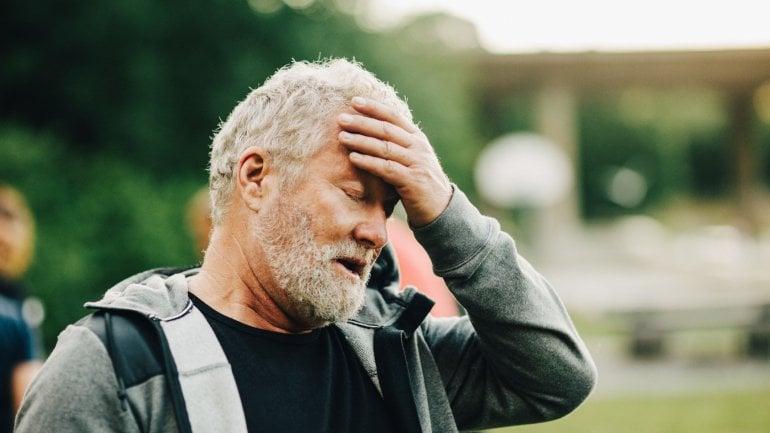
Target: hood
<point>158,293</point>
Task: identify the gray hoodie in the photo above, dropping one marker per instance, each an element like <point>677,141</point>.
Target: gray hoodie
<point>515,358</point>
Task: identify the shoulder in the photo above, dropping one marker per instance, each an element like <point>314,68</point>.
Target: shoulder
<point>77,367</point>
<point>75,390</point>
<point>77,347</point>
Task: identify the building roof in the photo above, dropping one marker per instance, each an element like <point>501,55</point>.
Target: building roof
<point>731,70</point>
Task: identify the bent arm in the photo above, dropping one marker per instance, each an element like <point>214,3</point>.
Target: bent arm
<point>516,358</point>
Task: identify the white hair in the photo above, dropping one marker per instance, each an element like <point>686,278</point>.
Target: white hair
<point>290,116</point>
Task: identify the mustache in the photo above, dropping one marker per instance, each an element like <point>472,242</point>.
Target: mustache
<point>351,249</point>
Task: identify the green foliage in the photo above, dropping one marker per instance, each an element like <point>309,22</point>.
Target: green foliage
<point>677,141</point>
<point>108,109</point>
<point>98,219</point>
<point>606,145</point>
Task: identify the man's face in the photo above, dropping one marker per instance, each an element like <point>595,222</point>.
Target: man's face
<point>321,239</point>
<point>15,236</point>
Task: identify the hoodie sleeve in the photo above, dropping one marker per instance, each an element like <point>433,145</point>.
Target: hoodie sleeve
<point>516,358</point>
<point>75,391</point>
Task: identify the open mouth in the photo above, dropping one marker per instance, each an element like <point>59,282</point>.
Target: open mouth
<point>352,265</point>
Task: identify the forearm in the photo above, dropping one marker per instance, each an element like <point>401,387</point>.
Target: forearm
<point>523,348</point>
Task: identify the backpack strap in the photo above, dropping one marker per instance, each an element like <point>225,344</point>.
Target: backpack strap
<point>185,349</point>
<point>135,347</point>
<point>206,379</point>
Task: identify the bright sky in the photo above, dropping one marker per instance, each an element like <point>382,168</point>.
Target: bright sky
<point>569,25</point>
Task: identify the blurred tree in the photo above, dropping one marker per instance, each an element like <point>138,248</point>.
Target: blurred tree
<point>108,108</point>
<point>673,143</point>
<point>710,173</point>
<point>607,145</point>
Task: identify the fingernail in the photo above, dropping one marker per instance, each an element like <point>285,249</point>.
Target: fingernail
<point>345,118</point>
<point>359,101</point>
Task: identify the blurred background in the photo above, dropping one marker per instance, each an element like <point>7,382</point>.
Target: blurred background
<point>625,147</point>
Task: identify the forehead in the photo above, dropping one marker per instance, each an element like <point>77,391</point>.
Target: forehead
<point>332,163</point>
<point>332,159</point>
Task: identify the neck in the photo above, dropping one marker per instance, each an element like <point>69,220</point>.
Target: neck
<point>231,286</point>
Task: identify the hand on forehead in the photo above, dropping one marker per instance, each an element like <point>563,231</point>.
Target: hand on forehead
<point>389,146</point>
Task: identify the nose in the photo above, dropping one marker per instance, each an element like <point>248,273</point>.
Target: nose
<point>372,232</point>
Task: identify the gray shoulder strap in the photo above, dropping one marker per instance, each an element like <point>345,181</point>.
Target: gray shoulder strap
<point>205,377</point>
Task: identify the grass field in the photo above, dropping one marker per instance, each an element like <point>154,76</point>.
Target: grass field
<point>730,412</point>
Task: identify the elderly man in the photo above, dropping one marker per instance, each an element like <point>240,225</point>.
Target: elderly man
<point>294,321</point>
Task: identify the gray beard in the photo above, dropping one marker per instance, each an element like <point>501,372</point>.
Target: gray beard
<point>317,293</point>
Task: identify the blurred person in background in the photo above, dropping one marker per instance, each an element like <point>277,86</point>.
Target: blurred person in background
<point>18,347</point>
<point>295,322</point>
<point>198,216</point>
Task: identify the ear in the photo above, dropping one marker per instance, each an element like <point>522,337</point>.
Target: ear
<point>253,169</point>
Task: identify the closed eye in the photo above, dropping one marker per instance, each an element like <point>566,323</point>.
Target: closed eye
<point>356,196</point>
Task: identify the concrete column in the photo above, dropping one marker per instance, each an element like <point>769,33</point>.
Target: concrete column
<point>556,108</point>
<point>744,159</point>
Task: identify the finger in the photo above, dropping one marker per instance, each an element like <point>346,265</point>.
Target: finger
<point>375,128</point>
<point>424,193</point>
<point>386,169</point>
<point>381,111</point>
<point>373,146</point>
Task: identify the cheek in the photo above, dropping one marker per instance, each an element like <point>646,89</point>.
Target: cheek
<point>333,223</point>
<point>331,213</point>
